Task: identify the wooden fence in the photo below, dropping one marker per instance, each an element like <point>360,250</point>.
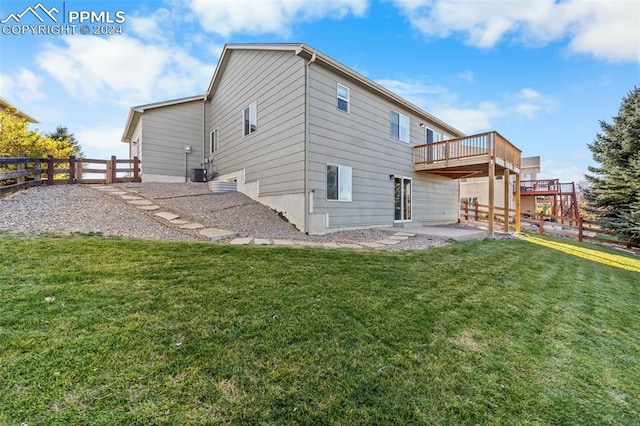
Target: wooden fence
<point>579,228</point>
<point>23,172</point>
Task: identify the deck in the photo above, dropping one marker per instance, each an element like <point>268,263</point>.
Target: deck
<point>540,187</point>
<point>469,156</point>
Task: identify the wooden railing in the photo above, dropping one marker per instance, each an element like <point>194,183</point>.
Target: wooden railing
<point>483,146</point>
<point>578,228</point>
<point>21,172</point>
<point>539,186</point>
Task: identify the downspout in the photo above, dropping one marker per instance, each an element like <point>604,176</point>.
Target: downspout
<point>307,195</point>
<point>204,141</point>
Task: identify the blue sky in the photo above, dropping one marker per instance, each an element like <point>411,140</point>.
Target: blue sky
<point>540,72</point>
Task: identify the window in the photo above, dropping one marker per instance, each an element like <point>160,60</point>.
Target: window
<point>429,135</point>
<point>250,118</point>
<point>402,199</point>
<point>213,141</point>
<point>399,126</point>
<point>343,98</point>
<point>338,183</point>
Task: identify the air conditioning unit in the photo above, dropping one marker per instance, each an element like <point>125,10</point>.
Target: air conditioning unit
<point>198,175</point>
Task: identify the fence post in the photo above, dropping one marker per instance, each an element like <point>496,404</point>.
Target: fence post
<point>37,174</point>
<point>21,168</point>
<point>72,169</point>
<point>541,223</point>
<point>466,209</point>
<point>136,169</point>
<point>580,228</point>
<point>50,170</point>
<point>114,166</point>
<point>79,171</point>
<point>475,206</point>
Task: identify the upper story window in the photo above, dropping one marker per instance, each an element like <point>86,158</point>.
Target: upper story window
<point>250,119</point>
<point>343,94</point>
<point>213,141</point>
<point>429,135</point>
<point>399,126</point>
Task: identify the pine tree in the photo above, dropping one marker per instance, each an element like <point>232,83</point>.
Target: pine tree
<point>62,135</point>
<point>613,193</point>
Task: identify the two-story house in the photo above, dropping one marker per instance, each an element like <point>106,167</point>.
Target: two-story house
<point>302,133</point>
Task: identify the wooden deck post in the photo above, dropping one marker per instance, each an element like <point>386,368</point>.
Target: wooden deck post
<point>541,224</point>
<point>492,175</point>
<point>72,170</point>
<point>37,174</point>
<point>114,171</point>
<point>518,206</point>
<point>476,216</point>
<point>507,198</point>
<point>50,170</point>
<point>466,209</point>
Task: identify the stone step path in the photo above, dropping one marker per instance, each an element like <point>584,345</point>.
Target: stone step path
<point>215,234</point>
<point>170,218</point>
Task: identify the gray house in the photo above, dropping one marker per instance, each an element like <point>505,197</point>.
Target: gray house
<point>307,136</point>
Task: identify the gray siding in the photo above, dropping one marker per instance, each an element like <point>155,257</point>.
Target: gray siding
<point>274,154</point>
<point>165,132</point>
<point>362,140</point>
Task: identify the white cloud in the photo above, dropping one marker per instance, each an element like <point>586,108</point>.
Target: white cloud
<point>102,142</point>
<point>154,27</point>
<point>23,85</point>
<point>605,29</point>
<point>124,70</point>
<point>529,103</point>
<point>268,16</point>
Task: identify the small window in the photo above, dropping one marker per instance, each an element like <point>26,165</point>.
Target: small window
<point>399,126</point>
<point>213,141</point>
<point>343,98</point>
<point>250,118</point>
<point>338,183</point>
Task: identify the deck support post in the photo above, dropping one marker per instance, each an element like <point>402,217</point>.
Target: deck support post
<point>492,176</point>
<point>507,198</point>
<point>517,197</point>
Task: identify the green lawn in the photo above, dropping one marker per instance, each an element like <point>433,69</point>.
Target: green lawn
<point>108,331</point>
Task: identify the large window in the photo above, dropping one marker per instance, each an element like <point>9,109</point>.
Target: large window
<point>213,141</point>
<point>402,202</point>
<point>399,126</point>
<point>338,183</point>
<point>250,118</point>
<point>343,98</point>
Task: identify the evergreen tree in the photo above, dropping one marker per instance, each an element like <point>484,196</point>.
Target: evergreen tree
<point>613,192</point>
<point>62,135</point>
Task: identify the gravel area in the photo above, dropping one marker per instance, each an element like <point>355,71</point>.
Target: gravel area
<point>67,209</point>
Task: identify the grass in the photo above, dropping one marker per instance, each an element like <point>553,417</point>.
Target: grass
<point>108,331</point>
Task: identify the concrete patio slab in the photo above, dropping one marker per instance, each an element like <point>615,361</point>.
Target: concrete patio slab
<point>178,221</point>
<point>140,202</point>
<point>261,241</point>
<point>131,197</point>
<point>149,208</point>
<point>457,234</point>
<point>388,242</point>
<point>398,237</point>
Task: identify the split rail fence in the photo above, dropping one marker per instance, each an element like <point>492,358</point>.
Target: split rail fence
<point>580,228</point>
<point>24,172</point>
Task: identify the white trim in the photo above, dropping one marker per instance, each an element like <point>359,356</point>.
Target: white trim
<point>253,118</point>
<point>402,179</point>
<point>401,118</point>
<point>214,142</point>
<point>340,167</point>
<point>342,98</point>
